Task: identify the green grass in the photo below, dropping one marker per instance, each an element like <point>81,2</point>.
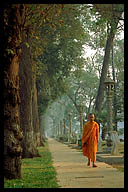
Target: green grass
<point>119,167</point>
<point>37,172</point>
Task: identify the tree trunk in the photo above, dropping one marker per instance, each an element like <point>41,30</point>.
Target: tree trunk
<point>13,16</point>
<point>103,132</point>
<point>100,95</point>
<point>26,89</point>
<point>41,134</point>
<point>77,106</point>
<point>115,97</point>
<point>43,126</point>
<point>89,108</point>
<point>35,116</point>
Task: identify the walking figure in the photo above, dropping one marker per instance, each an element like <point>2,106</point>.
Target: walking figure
<point>90,138</point>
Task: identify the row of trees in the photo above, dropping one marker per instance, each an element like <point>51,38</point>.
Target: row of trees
<point>43,46</point>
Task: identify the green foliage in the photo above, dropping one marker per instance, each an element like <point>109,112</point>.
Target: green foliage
<point>62,52</point>
<point>57,41</point>
<point>121,131</point>
<point>36,173</point>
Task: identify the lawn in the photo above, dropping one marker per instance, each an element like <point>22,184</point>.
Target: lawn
<point>37,172</point>
<point>119,167</point>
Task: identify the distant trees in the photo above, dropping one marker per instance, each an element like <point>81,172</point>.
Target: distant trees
<point>83,88</point>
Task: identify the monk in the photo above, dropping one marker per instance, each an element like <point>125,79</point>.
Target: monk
<point>90,138</point>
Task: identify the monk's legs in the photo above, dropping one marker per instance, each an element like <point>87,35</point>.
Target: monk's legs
<point>94,165</point>
<point>89,161</point>
<point>93,160</point>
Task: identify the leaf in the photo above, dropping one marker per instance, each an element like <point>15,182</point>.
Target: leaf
<point>10,51</point>
<point>27,45</point>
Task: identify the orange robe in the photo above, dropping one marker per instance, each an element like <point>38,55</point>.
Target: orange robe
<point>91,136</point>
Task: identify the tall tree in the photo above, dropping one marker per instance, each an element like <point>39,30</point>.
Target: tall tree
<point>116,13</point>
<point>13,21</point>
<point>26,94</point>
<point>35,114</point>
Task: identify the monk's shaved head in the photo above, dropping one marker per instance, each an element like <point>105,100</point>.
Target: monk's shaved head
<point>91,116</point>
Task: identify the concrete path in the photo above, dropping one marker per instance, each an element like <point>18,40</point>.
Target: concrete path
<point>73,172</point>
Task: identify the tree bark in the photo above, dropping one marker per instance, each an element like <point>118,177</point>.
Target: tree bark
<point>26,91</point>
<point>35,116</point>
<point>43,126</point>
<point>115,97</point>
<point>41,132</point>
<point>13,17</point>
<point>100,95</point>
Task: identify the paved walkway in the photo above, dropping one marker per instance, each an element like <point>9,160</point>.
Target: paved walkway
<point>73,172</point>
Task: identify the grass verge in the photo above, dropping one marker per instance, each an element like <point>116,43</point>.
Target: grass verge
<point>37,172</point>
<point>119,167</point>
